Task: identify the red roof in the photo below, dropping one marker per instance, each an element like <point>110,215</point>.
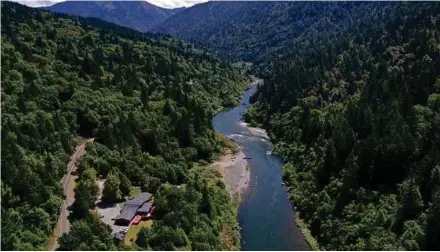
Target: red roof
<point>136,219</point>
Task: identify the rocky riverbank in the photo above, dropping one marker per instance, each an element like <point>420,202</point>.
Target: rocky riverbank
<point>235,172</point>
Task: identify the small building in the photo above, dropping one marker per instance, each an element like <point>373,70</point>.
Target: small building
<point>140,199</point>
<point>145,208</point>
<point>127,214</point>
<point>140,204</point>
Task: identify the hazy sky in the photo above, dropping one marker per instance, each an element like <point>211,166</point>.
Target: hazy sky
<point>161,3</point>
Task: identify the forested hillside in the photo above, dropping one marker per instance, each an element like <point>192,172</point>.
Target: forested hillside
<point>357,120</point>
<point>139,15</point>
<point>148,103</point>
<point>248,31</point>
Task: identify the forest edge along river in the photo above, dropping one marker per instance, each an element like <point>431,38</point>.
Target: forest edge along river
<point>265,214</point>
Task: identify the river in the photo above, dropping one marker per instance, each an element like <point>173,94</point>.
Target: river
<point>265,215</point>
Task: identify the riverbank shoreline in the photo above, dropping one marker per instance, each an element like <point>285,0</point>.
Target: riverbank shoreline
<point>235,174</point>
<point>311,241</point>
<point>234,170</point>
<point>258,132</point>
<point>266,197</point>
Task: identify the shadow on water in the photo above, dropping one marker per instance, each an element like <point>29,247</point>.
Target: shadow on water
<point>265,215</point>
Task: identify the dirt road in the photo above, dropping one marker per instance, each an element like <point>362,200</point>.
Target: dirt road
<point>68,181</point>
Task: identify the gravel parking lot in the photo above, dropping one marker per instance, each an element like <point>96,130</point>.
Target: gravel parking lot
<point>108,212</point>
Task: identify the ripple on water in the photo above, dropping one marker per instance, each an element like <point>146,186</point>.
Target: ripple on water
<point>235,136</point>
<point>266,218</point>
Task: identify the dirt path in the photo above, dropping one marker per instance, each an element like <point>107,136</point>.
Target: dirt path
<point>68,181</point>
<point>235,172</point>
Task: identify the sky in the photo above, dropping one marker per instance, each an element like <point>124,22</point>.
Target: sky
<point>160,3</point>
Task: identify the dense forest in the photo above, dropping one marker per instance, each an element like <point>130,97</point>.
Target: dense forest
<point>351,99</point>
<point>147,101</point>
<point>356,118</point>
<point>250,31</point>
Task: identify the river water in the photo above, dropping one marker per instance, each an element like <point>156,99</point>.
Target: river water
<point>265,214</point>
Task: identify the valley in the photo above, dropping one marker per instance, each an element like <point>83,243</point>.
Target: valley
<point>253,126</point>
<point>265,215</point>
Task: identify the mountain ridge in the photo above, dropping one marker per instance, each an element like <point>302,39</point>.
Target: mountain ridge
<point>139,15</point>
<point>249,31</point>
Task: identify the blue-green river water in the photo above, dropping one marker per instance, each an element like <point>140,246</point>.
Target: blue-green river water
<point>265,216</point>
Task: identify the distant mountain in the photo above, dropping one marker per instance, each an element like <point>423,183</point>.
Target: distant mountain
<point>36,3</point>
<point>250,30</point>
<point>225,26</point>
<point>139,15</point>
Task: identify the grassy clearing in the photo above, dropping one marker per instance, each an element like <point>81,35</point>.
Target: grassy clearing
<point>235,203</point>
<point>134,230</point>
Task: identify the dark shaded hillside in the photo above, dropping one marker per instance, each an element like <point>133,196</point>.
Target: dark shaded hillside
<point>357,120</point>
<point>250,30</point>
<point>139,15</point>
<point>148,102</point>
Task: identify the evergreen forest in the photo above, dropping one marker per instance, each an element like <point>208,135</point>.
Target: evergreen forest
<point>148,102</point>
<point>350,98</point>
<point>356,118</point>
